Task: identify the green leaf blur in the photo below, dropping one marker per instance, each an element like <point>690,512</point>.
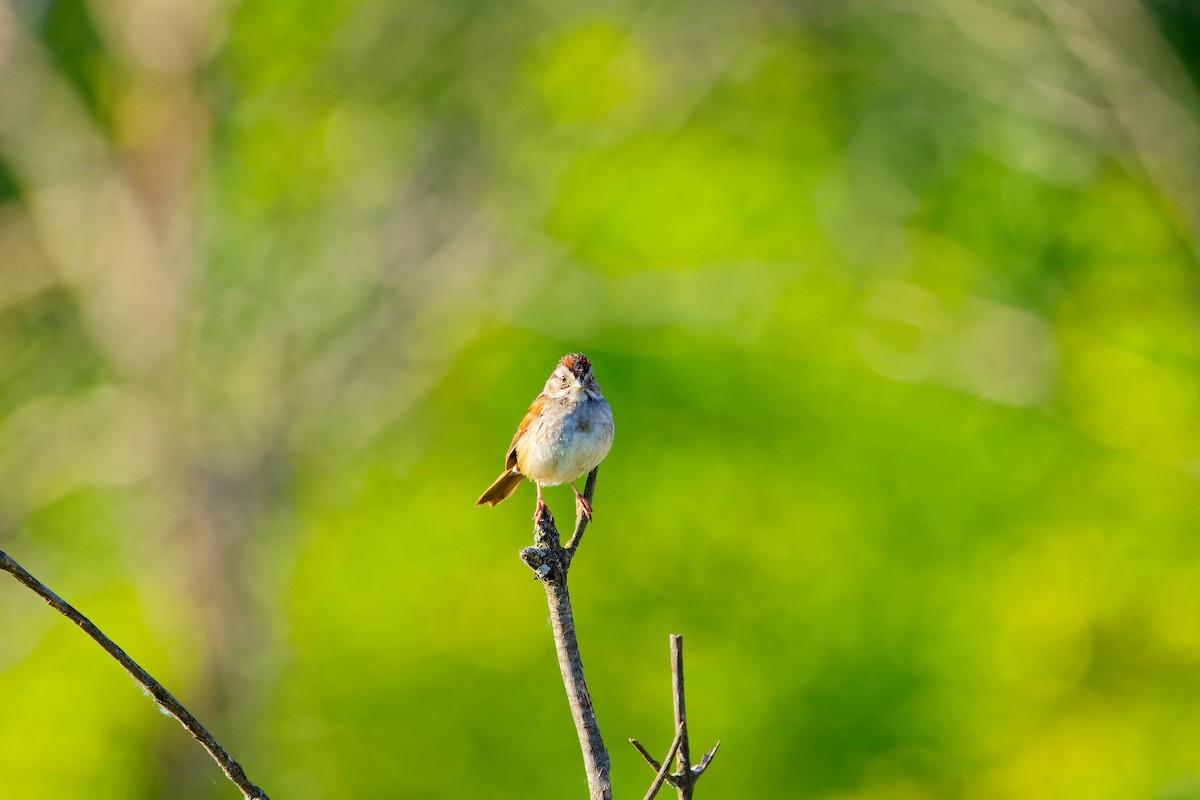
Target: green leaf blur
<point>896,306</point>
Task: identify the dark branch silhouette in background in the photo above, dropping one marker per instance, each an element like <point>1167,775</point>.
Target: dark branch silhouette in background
<point>166,701</point>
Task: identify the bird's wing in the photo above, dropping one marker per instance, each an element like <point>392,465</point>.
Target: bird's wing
<point>535,411</point>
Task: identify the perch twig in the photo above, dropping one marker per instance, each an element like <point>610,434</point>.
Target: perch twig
<point>550,561</point>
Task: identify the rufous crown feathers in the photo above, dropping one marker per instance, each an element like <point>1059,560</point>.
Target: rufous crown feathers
<point>578,364</point>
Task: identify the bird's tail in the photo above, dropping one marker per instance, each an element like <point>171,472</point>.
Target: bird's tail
<point>505,485</point>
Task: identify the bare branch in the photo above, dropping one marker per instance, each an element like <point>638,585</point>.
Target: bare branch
<point>165,699</point>
<point>685,754</point>
<point>708,757</point>
<point>666,766</point>
<point>550,561</point>
<point>582,519</point>
<point>651,760</point>
<point>685,777</point>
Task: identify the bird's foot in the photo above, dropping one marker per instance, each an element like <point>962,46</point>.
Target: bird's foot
<point>582,504</point>
<point>541,512</point>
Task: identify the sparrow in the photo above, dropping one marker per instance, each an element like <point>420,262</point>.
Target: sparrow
<point>566,433</point>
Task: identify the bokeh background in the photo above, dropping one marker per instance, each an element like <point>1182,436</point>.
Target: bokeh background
<point>896,304</point>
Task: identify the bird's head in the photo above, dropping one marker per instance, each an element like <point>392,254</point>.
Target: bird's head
<point>573,377</point>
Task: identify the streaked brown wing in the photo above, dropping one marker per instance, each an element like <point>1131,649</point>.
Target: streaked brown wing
<point>535,411</point>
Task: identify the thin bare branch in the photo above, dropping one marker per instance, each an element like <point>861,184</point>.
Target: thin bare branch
<point>550,561</point>
<point>165,699</point>
<point>581,519</point>
<point>685,777</point>
<point>666,766</point>
<point>685,755</point>
<point>708,757</point>
<point>651,760</point>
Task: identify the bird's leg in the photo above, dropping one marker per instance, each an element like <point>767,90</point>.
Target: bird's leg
<point>582,503</point>
<point>541,504</point>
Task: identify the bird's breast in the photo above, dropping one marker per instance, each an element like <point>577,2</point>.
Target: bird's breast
<point>566,441</point>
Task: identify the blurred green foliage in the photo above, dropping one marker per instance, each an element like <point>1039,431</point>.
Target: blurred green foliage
<point>896,307</point>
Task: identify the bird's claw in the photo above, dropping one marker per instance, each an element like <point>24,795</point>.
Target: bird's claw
<point>584,505</point>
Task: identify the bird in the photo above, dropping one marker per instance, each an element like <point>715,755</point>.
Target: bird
<point>566,433</point>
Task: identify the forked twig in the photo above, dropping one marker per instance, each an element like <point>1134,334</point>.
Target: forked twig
<point>165,699</point>
<point>665,768</point>
<point>684,779</point>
